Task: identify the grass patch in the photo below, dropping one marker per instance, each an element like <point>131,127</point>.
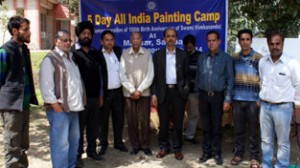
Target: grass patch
<point>36,59</point>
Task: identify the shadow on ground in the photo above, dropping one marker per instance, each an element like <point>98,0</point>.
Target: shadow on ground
<point>39,156</point>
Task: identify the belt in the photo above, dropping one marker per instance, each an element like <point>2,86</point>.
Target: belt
<point>171,86</point>
<point>271,103</point>
<point>211,93</point>
<point>114,90</point>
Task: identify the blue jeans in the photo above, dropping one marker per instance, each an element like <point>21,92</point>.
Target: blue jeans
<point>64,138</point>
<point>275,119</point>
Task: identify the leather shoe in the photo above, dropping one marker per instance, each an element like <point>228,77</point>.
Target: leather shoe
<point>121,148</point>
<point>134,151</point>
<point>94,156</point>
<point>204,157</point>
<point>218,159</point>
<point>162,153</point>
<point>102,150</point>
<point>147,152</point>
<point>178,155</point>
<point>193,141</point>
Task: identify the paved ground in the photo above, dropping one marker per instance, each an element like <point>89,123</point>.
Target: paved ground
<point>39,151</point>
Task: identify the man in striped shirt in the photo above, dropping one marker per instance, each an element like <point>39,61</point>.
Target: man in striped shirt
<point>245,98</point>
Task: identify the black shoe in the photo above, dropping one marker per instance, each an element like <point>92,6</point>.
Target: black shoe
<point>134,151</point>
<point>79,162</point>
<point>147,152</point>
<point>102,150</point>
<point>121,148</point>
<point>218,159</point>
<point>193,141</point>
<point>204,157</point>
<point>94,156</point>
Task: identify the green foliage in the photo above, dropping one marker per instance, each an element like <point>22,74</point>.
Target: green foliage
<point>262,15</point>
<point>72,6</point>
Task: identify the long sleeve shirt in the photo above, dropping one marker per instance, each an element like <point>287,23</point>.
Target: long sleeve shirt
<point>215,73</point>
<point>246,81</point>
<point>280,80</point>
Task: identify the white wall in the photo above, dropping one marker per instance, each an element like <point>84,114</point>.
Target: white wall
<point>291,46</point>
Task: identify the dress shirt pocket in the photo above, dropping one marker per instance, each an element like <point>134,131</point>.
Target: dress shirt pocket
<point>282,79</point>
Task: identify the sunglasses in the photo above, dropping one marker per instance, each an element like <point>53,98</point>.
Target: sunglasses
<point>66,40</point>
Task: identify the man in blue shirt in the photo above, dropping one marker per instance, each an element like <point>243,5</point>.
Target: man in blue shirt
<point>214,83</point>
<point>245,99</point>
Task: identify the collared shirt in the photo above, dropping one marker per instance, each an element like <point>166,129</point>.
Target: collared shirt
<point>171,67</point>
<point>113,66</point>
<point>280,80</point>
<point>47,85</point>
<point>246,81</point>
<point>137,80</point>
<point>215,73</point>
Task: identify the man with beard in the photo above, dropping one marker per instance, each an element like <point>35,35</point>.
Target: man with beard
<point>16,92</point>
<point>169,92</point>
<point>87,59</point>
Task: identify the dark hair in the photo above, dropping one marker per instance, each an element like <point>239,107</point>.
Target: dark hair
<point>169,29</point>
<point>189,39</point>
<point>60,33</point>
<point>270,33</point>
<point>105,32</point>
<point>15,22</point>
<point>247,31</point>
<point>213,32</point>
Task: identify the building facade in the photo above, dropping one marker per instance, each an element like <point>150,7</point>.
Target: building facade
<point>46,17</point>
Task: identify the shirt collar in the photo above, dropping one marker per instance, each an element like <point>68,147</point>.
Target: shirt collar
<point>60,52</point>
<point>173,52</point>
<point>141,51</point>
<point>281,59</point>
<point>77,46</point>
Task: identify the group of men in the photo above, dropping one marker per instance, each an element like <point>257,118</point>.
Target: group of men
<point>82,86</point>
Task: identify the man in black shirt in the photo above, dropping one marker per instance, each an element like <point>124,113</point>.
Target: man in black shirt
<point>87,59</point>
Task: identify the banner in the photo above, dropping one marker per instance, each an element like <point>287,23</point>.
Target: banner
<point>152,17</point>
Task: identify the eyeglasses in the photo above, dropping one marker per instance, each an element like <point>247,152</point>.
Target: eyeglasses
<point>66,40</point>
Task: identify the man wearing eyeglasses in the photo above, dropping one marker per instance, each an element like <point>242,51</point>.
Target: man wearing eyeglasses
<point>63,95</point>
<point>87,59</point>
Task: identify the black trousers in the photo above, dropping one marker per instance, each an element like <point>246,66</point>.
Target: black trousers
<point>89,121</point>
<point>172,109</point>
<point>246,113</point>
<point>211,111</point>
<point>113,103</point>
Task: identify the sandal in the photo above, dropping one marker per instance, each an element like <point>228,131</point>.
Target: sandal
<point>236,160</point>
<point>254,164</point>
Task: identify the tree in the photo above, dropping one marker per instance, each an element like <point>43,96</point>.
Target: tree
<point>3,22</point>
<point>72,6</point>
<point>262,15</point>
<point>1,1</point>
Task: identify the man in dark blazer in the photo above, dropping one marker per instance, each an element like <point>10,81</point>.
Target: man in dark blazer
<point>169,92</point>
<point>113,97</point>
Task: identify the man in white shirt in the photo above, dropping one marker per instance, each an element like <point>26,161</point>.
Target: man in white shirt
<point>113,96</point>
<point>280,87</point>
<point>136,73</point>
<point>62,92</point>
